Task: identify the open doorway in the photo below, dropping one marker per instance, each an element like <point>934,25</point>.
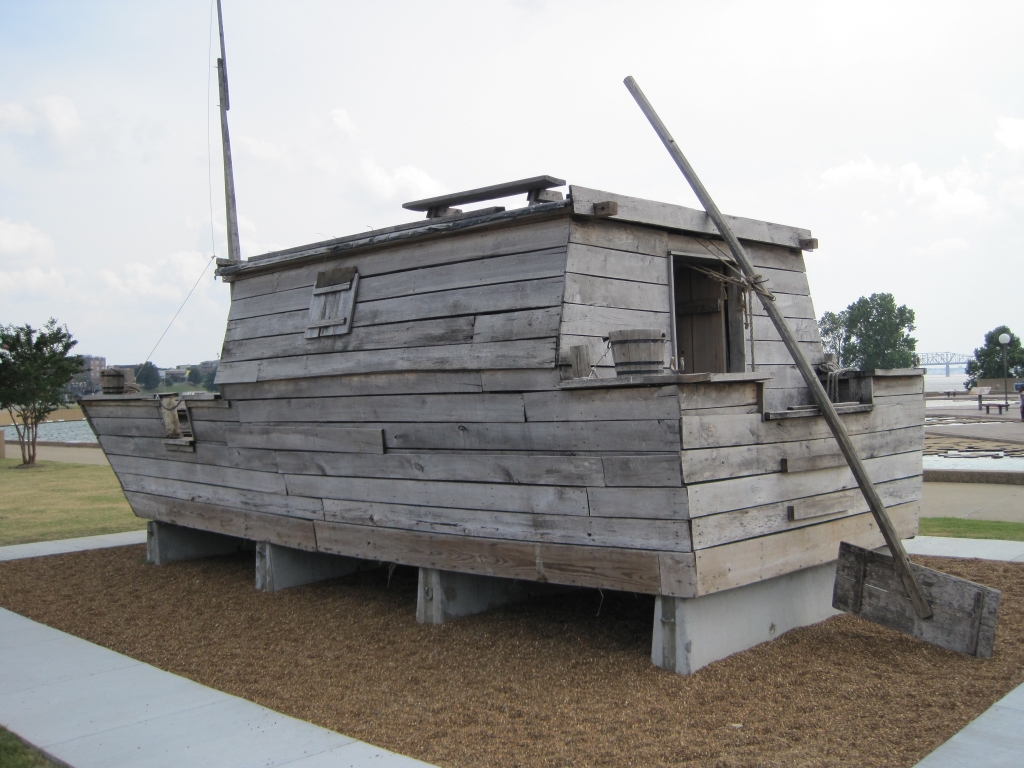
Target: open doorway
<point>709,317</point>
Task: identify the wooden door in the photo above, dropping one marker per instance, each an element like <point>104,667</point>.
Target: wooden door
<point>700,320</point>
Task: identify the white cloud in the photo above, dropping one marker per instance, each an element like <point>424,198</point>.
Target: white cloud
<point>945,246</point>
<point>261,148</point>
<point>344,123</point>
<point>864,169</point>
<point>170,277</point>
<point>1010,133</point>
<point>406,181</point>
<point>16,118</point>
<point>950,193</point>
<point>61,117</point>
<point>20,241</point>
<point>955,192</point>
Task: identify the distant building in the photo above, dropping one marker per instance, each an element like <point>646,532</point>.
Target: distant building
<point>207,367</point>
<point>88,381</point>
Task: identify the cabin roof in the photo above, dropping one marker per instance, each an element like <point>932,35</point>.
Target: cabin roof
<point>580,202</point>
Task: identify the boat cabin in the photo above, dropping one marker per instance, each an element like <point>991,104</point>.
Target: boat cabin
<point>442,394</point>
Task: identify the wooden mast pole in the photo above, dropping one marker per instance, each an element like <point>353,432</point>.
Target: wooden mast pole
<point>818,393</point>
<point>234,250</point>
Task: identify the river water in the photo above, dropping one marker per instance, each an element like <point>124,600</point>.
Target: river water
<point>59,432</point>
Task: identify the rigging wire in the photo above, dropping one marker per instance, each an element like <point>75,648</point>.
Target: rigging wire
<point>209,184</point>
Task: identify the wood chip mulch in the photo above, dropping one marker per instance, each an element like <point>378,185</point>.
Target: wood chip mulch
<point>552,682</point>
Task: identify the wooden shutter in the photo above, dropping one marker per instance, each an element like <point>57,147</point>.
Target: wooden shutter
<point>334,299</point>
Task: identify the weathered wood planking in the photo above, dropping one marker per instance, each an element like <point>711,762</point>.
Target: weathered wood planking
<point>385,408</point>
<point>532,353</point>
<point>209,474</point>
<point>744,562</point>
<point>723,431</point>
<point>775,353</point>
<point>510,326</point>
<point>390,383</point>
<point>541,437</point>
<point>285,531</point>
<point>234,498</point>
<point>702,465</point>
<point>667,535</point>
<point>611,568</point>
<point>595,291</point>
<point>334,439</point>
<point>700,396</point>
<point>602,404</point>
<point>505,497</point>
<point>647,470</point>
<point>464,247</point>
<point>965,613</point>
<point>650,503</point>
<point>459,467</point>
<point>648,212</point>
<point>741,492</point>
<point>606,262</point>
<point>212,454</point>
<point>722,528</point>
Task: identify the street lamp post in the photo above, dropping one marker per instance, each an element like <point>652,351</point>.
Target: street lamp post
<point>1004,339</point>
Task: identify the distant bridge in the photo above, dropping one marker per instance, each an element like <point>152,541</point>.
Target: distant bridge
<point>943,358</point>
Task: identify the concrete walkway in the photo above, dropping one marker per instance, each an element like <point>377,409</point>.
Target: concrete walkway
<point>993,740</point>
<point>983,549</point>
<point>89,707</point>
<point>42,548</point>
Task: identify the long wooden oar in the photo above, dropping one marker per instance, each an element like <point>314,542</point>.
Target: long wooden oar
<point>821,399</point>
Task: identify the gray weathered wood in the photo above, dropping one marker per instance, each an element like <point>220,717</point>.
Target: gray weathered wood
<point>464,467</point>
<point>609,263</point>
<point>741,492</point>
<point>393,408</point>
<point>505,497</point>
<point>670,216</point>
<point>235,498</point>
<point>390,383</point>
<point>493,192</point>
<point>334,439</point>
<point>603,404</point>
<point>597,291</point>
<point>508,326</point>
<point>558,529</point>
<point>965,613</point>
<point>204,453</point>
<point>767,519</point>
<point>651,470</point>
<point>579,361</point>
<point>648,503</point>
<point>231,477</point>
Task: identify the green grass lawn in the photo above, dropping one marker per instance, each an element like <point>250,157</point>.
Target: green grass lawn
<point>960,528</point>
<point>60,501</point>
<point>14,754</point>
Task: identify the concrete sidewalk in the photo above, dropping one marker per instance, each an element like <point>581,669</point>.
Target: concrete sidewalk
<point>983,549</point>
<point>993,740</point>
<point>43,548</point>
<point>89,707</point>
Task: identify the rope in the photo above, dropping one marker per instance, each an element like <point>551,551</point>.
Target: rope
<point>833,372</point>
<point>593,368</point>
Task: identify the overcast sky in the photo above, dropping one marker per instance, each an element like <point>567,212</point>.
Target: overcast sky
<point>894,132</point>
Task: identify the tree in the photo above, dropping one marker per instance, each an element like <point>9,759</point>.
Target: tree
<point>880,333</point>
<point>35,365</point>
<point>147,376</point>
<point>194,376</point>
<point>834,336</point>
<point>988,360</point>
<point>208,382</point>
<point>871,333</point>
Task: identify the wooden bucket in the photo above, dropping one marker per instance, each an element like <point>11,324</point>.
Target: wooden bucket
<point>638,352</point>
<point>112,381</point>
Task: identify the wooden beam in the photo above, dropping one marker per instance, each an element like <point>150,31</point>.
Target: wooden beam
<point>493,192</point>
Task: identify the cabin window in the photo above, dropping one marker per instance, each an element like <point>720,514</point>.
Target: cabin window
<point>334,299</point>
<point>709,318</point>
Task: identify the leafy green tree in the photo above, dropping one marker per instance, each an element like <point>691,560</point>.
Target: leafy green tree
<point>35,365</point>
<point>834,336</point>
<point>870,333</point>
<point>147,376</point>
<point>988,360</point>
<point>208,382</point>
<point>194,377</point>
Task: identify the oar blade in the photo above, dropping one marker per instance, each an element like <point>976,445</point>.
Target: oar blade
<point>964,613</point>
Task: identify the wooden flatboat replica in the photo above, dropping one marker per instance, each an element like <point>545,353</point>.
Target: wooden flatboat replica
<point>441,394</point>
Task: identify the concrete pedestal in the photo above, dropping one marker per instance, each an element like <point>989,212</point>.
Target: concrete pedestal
<point>166,543</point>
<point>444,595</point>
<point>280,567</point>
<point>690,633</point>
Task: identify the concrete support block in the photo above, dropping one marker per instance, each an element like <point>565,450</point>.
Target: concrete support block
<point>444,595</point>
<point>166,543</point>
<point>280,567</point>
<point>690,633</point>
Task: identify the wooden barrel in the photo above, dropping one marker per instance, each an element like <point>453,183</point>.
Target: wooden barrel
<point>112,381</point>
<point>638,352</point>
